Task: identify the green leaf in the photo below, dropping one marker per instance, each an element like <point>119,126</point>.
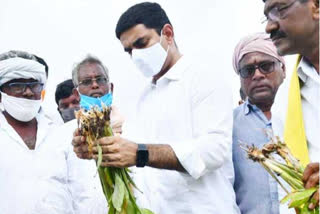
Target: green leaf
<point>130,208</point>
<point>118,194</point>
<point>146,211</point>
<point>299,195</point>
<point>108,178</point>
<point>111,209</point>
<point>99,156</point>
<point>298,203</point>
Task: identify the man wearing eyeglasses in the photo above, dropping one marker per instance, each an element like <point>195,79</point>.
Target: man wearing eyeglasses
<point>261,72</point>
<point>90,78</point>
<point>293,26</point>
<point>34,168</point>
<point>91,81</point>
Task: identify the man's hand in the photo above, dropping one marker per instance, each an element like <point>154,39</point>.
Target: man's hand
<point>311,179</point>
<point>116,121</point>
<point>116,152</point>
<point>80,147</point>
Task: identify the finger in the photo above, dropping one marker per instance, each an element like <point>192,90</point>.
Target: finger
<point>310,169</point>
<point>81,149</point>
<point>117,130</point>
<point>86,155</point>
<point>76,141</point>
<point>312,181</point>
<point>76,132</point>
<point>106,149</point>
<point>116,164</point>
<point>315,198</point>
<point>105,141</point>
<point>107,157</point>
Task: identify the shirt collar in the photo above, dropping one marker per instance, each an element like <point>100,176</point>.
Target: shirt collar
<point>306,70</point>
<point>248,107</point>
<point>177,70</point>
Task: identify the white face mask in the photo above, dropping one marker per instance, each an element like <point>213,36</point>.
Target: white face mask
<point>19,108</point>
<point>150,60</point>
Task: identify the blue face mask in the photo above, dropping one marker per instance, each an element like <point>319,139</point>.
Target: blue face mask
<point>87,102</point>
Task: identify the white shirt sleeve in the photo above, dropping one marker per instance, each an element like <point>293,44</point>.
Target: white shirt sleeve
<point>211,144</point>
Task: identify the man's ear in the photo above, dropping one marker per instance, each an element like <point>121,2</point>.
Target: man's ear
<point>167,32</point>
<point>111,87</point>
<point>75,92</point>
<point>315,9</point>
<point>283,67</point>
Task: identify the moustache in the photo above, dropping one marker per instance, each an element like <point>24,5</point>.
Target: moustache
<point>277,34</point>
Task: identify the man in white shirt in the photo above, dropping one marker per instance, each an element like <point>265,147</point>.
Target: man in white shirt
<point>183,126</point>
<point>294,28</point>
<point>36,169</point>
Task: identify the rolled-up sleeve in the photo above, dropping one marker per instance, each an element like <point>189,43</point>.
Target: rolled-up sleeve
<point>210,146</point>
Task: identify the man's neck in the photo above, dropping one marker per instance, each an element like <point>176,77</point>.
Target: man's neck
<point>313,55</point>
<point>265,108</point>
<point>26,130</point>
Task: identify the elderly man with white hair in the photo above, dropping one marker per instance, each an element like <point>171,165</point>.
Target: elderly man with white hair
<point>38,172</point>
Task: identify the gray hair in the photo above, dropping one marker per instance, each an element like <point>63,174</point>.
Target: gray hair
<point>13,54</point>
<point>89,59</point>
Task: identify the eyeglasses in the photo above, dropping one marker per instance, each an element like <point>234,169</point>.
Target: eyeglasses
<point>264,67</point>
<point>99,80</point>
<point>278,12</point>
<point>20,87</point>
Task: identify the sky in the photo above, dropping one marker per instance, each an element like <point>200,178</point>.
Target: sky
<point>64,32</point>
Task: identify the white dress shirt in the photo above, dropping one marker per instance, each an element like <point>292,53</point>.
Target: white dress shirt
<point>48,179</point>
<point>189,108</point>
<point>310,98</point>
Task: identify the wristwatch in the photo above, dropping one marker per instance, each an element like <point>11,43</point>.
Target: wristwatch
<point>142,155</point>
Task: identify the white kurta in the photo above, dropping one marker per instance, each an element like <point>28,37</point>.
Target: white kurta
<point>48,179</point>
<point>190,108</point>
<point>310,98</point>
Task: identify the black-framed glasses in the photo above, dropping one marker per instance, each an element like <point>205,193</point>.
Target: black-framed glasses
<point>278,12</point>
<point>265,67</point>
<point>20,87</point>
<point>99,80</point>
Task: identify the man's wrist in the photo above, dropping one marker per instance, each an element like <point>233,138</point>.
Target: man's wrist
<point>142,155</point>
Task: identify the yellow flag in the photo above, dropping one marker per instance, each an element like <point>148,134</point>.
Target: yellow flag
<point>294,133</point>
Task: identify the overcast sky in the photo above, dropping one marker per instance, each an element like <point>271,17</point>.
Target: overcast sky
<point>64,31</point>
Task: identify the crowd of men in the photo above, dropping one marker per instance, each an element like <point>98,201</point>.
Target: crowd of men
<point>185,156</point>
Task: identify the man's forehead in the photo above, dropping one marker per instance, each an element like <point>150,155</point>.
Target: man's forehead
<point>22,80</point>
<point>271,3</point>
<point>255,57</point>
<point>128,37</point>
<point>91,70</point>
<point>67,100</point>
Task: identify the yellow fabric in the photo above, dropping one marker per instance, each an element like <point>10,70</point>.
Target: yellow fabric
<point>294,133</point>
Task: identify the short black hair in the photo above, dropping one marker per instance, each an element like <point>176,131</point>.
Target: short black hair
<point>42,62</point>
<point>242,94</point>
<point>64,90</point>
<point>302,1</point>
<point>149,14</point>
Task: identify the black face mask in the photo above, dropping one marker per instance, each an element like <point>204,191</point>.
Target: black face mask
<point>68,114</point>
